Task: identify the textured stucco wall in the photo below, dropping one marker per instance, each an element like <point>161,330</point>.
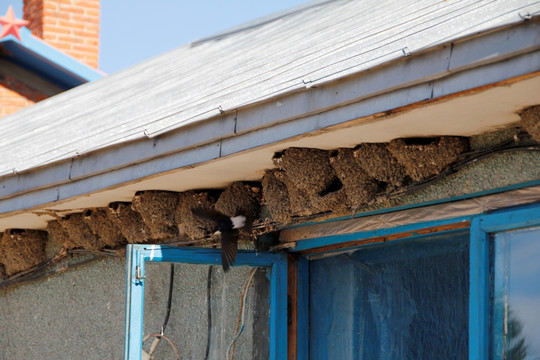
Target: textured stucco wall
<point>76,315</point>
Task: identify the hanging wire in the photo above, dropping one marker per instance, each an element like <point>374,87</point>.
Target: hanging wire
<point>469,158</point>
<point>167,339</point>
<point>209,310</point>
<point>167,315</point>
<point>240,321</point>
<point>169,301</point>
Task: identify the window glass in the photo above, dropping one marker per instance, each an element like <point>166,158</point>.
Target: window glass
<point>516,310</point>
<point>402,300</point>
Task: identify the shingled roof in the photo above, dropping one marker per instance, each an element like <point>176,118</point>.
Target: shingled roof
<point>286,53</point>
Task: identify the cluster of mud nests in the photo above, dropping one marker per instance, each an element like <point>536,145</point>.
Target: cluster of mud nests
<point>152,217</point>
<point>312,181</point>
<point>305,182</point>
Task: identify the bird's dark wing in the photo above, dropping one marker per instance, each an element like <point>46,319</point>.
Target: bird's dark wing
<point>229,237</point>
<point>229,248</point>
<point>208,214</point>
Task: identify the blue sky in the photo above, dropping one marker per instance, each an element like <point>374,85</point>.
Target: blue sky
<point>136,30</point>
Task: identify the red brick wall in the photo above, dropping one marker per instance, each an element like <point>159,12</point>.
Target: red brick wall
<point>71,26</point>
<point>15,95</point>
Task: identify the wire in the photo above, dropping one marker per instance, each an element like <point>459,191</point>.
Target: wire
<point>209,310</point>
<point>169,301</point>
<point>31,274</point>
<point>167,314</point>
<point>34,276</point>
<point>183,242</point>
<point>468,159</point>
<point>465,159</point>
<point>240,321</point>
<point>168,340</point>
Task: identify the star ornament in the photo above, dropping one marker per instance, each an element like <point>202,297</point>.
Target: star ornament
<point>11,25</point>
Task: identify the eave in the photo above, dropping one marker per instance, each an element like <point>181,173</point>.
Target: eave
<point>33,54</point>
<point>464,87</point>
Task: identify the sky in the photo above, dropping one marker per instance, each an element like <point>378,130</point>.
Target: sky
<point>132,31</point>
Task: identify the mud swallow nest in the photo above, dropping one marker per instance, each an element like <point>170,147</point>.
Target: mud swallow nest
<point>22,249</point>
<point>530,120</point>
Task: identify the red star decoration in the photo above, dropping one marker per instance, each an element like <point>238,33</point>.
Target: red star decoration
<point>11,25</point>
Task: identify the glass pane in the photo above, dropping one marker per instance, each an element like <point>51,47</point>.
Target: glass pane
<point>200,331</point>
<point>404,300</point>
<point>516,313</point>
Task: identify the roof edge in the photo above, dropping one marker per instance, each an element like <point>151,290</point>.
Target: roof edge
<point>260,21</point>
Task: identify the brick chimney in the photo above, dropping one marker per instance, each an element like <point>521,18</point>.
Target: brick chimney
<point>71,26</point>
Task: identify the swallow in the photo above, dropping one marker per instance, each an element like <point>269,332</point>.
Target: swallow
<point>227,227</point>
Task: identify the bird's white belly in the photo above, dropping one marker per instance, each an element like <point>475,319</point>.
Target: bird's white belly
<point>238,221</point>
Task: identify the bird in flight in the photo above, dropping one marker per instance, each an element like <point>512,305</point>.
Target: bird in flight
<point>228,228</point>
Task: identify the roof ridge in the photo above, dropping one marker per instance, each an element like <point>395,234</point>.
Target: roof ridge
<point>260,21</point>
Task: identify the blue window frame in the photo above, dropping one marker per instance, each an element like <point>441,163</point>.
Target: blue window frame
<point>485,334</point>
<point>515,294</point>
<point>138,255</point>
<point>481,308</point>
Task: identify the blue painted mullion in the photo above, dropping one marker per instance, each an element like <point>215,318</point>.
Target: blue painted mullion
<point>479,292</point>
<point>303,309</point>
<point>134,303</point>
<point>500,289</point>
<point>278,310</point>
